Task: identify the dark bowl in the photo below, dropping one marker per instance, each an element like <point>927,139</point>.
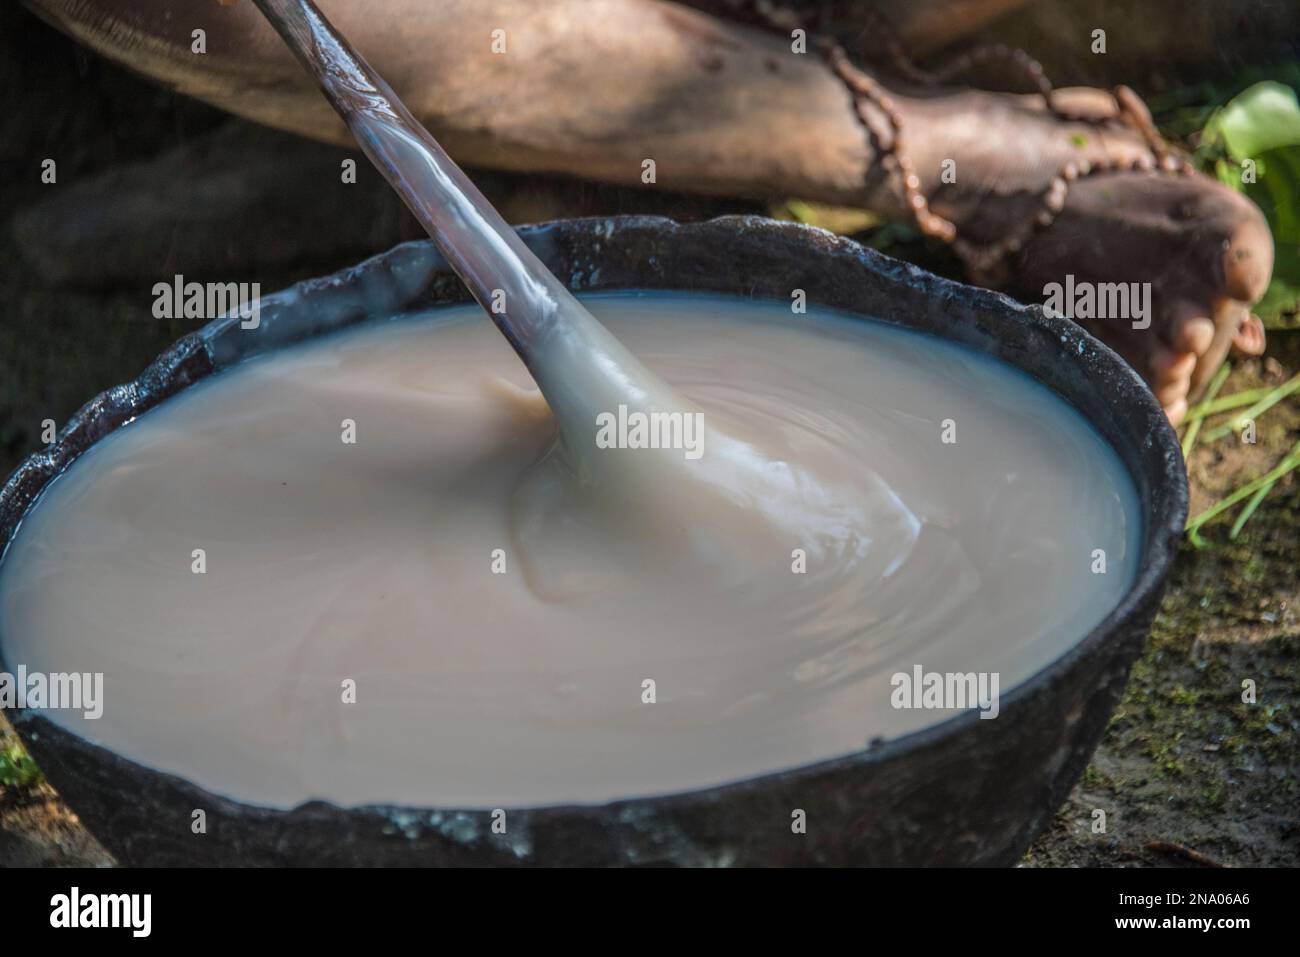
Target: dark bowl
<point>963,792</point>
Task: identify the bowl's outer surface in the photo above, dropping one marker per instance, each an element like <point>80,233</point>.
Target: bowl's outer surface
<point>963,792</point>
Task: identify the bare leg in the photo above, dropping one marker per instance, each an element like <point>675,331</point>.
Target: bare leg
<point>595,87</point>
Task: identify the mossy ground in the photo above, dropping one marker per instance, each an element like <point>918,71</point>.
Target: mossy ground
<point>1185,763</point>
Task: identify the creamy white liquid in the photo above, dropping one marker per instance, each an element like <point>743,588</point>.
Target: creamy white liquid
<point>374,561</point>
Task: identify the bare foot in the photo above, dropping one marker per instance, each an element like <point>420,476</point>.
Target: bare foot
<point>1112,216</point>
<point>1205,250</point>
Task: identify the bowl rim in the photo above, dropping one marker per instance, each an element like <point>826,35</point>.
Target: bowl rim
<point>171,372</point>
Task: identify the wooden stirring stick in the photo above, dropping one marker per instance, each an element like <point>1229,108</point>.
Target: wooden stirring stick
<point>506,278</point>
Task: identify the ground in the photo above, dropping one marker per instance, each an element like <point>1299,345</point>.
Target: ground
<point>1185,764</point>
<point>1187,774</point>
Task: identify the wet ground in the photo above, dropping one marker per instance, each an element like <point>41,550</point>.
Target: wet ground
<point>1188,773</point>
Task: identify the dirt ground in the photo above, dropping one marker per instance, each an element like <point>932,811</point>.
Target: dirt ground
<point>1187,773</point>
<point>1185,764</point>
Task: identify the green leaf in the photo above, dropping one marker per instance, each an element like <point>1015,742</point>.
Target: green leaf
<point>1276,191</point>
<point>1265,117</point>
<point>844,220</point>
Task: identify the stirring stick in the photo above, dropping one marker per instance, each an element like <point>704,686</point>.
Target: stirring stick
<point>582,370</point>
<point>484,251</point>
<point>546,325</point>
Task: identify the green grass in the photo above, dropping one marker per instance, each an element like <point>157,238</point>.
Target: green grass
<point>17,769</point>
<point>1260,485</point>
